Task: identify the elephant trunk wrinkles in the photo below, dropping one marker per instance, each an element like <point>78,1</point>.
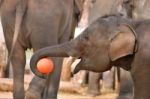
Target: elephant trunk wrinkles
<point>56,51</point>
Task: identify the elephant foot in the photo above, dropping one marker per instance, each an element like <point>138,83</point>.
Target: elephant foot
<point>32,95</point>
<point>49,97</point>
<point>125,96</point>
<point>93,93</point>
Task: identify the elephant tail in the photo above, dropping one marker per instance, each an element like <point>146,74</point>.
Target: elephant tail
<point>20,11</point>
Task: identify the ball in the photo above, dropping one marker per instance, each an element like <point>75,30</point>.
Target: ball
<point>45,65</point>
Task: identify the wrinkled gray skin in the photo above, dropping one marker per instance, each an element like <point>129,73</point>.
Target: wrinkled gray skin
<point>109,41</point>
<point>98,9</point>
<point>36,24</point>
<point>135,9</point>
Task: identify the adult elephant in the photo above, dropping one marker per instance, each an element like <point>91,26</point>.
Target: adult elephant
<point>137,9</point>
<point>140,9</point>
<point>109,41</point>
<point>37,24</point>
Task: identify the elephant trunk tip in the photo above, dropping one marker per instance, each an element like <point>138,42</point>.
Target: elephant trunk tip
<point>40,67</point>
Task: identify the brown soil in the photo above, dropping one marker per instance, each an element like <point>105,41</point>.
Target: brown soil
<point>62,95</point>
<point>67,90</point>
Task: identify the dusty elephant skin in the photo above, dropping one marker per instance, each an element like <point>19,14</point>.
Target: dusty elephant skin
<point>109,41</point>
<point>36,24</point>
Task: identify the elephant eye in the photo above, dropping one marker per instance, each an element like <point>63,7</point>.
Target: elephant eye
<point>79,58</point>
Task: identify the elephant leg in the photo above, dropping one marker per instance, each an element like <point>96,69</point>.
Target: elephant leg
<point>94,83</point>
<point>18,65</point>
<point>35,89</point>
<point>109,80</point>
<point>126,85</point>
<point>6,71</point>
<point>52,84</point>
<point>84,77</point>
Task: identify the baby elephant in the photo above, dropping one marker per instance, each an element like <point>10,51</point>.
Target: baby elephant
<point>109,41</point>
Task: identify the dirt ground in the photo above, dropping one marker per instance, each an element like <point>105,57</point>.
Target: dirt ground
<point>66,91</point>
<point>62,95</point>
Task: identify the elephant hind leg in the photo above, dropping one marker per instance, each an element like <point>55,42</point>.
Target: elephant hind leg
<point>5,72</point>
<point>52,84</point>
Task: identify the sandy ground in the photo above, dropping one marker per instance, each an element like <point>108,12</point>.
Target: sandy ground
<point>62,95</point>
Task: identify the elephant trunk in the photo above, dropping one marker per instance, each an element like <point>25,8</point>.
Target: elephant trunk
<point>63,50</point>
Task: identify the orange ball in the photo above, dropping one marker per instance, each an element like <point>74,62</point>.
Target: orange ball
<point>45,65</point>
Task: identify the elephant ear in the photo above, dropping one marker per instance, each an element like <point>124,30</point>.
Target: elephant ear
<point>123,42</point>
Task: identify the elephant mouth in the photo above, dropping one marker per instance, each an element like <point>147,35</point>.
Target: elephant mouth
<point>76,66</point>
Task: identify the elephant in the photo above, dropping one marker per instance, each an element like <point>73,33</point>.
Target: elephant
<point>109,41</point>
<point>137,9</point>
<point>94,83</point>
<point>140,9</point>
<point>36,24</point>
<point>98,9</point>
<point>126,84</point>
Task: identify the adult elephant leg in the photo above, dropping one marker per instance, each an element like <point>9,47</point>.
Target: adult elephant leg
<point>36,88</point>
<point>141,79</point>
<point>126,85</point>
<point>18,65</point>
<point>52,83</point>
<point>94,83</point>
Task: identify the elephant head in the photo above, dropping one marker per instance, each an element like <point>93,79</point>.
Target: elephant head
<point>104,41</point>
